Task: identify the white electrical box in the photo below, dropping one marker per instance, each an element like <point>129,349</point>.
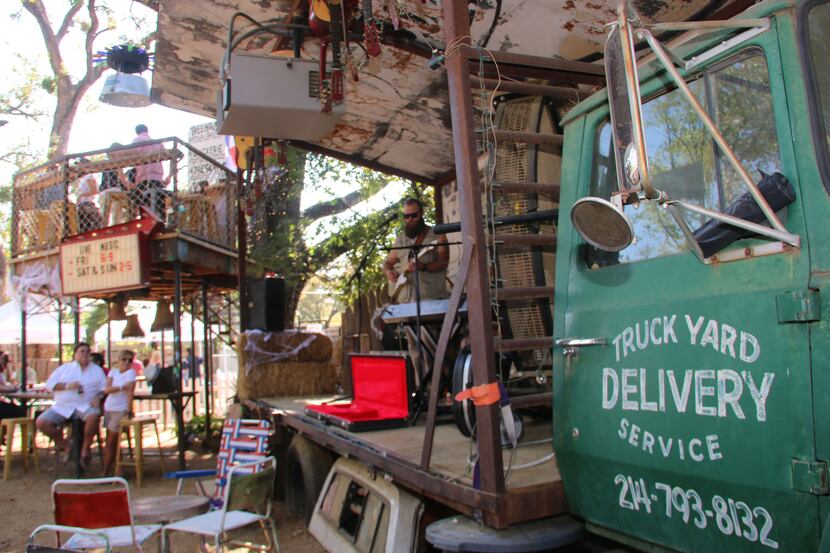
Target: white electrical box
<point>274,97</point>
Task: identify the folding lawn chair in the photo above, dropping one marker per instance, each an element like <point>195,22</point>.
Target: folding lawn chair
<point>101,504</point>
<point>246,500</point>
<point>243,441</point>
<point>98,538</point>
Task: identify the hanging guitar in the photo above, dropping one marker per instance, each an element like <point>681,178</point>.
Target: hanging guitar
<point>320,13</point>
<point>336,58</point>
<point>403,278</point>
<point>371,37</point>
<point>326,20</point>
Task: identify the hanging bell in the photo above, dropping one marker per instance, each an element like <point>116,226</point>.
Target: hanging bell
<point>133,328</point>
<point>118,310</point>
<point>126,90</point>
<point>164,318</point>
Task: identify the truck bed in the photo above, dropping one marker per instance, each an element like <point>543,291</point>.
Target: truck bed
<point>531,493</point>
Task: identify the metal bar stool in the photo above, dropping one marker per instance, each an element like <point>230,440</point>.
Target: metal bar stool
<point>27,440</point>
<point>136,428</point>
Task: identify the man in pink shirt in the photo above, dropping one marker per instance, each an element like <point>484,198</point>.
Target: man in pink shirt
<point>149,178</point>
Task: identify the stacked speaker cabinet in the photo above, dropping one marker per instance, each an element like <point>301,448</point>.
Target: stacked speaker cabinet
<point>533,267</point>
<point>266,307</point>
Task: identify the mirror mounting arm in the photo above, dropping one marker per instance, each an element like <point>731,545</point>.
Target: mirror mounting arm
<point>632,81</point>
<point>784,236</point>
<point>718,137</point>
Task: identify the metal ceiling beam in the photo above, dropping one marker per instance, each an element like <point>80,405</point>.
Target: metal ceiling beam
<point>521,65</point>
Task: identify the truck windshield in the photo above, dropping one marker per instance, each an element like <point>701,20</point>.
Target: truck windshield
<point>684,160</point>
<point>818,21</point>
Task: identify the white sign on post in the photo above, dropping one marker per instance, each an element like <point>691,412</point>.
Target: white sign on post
<point>104,264</point>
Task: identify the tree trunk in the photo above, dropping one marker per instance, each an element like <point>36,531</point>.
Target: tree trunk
<point>68,98</point>
<point>292,299</point>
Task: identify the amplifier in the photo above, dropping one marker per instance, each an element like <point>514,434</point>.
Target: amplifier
<point>266,309</point>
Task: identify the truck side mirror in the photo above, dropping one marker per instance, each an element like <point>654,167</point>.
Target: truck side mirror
<point>626,107</point>
<point>602,224</point>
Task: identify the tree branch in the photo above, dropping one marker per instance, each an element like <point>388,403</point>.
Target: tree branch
<point>35,7</point>
<point>335,206</point>
<point>93,72</point>
<point>67,20</point>
<point>7,108</point>
<point>90,38</point>
<point>337,244</point>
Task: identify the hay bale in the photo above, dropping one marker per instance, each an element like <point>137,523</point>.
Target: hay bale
<point>337,357</point>
<point>291,376</point>
<point>286,379</point>
<point>317,346</point>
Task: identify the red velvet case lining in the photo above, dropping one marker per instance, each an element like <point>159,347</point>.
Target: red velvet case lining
<point>380,390</point>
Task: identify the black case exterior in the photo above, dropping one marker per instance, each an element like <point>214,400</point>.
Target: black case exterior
<point>266,310</point>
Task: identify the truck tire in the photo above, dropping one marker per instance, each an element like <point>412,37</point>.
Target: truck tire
<point>306,467</point>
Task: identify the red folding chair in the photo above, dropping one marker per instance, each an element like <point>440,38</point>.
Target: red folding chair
<point>101,504</point>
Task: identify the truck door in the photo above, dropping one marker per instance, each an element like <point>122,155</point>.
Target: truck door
<point>685,417</point>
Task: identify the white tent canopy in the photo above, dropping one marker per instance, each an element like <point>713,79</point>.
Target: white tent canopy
<point>41,328</point>
<point>146,312</point>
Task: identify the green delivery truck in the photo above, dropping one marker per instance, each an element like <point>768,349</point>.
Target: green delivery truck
<point>690,402</point>
<point>690,375</point>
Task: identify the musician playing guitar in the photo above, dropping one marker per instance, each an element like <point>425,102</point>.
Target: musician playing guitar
<point>417,248</point>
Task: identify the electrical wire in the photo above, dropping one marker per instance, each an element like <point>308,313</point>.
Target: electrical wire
<point>534,463</point>
<point>490,147</point>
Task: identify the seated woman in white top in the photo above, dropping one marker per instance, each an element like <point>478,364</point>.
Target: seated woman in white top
<point>118,405</point>
<point>89,216</point>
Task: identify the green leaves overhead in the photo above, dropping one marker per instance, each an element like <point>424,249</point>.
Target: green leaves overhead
<point>329,239</point>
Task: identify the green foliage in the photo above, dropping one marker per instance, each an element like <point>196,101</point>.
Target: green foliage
<point>329,239</point>
<point>93,319</point>
<point>49,84</point>
<point>196,426</point>
<point>361,264</point>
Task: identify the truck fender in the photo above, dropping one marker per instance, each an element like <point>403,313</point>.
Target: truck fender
<point>306,467</point>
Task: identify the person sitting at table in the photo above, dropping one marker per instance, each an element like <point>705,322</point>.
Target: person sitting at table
<point>77,388</point>
<point>114,179</point>
<point>118,405</point>
<point>153,367</point>
<point>5,367</point>
<point>8,410</point>
<point>89,216</point>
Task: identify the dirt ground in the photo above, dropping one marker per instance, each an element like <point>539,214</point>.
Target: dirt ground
<point>26,502</point>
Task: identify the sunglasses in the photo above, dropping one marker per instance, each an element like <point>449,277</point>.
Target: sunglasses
<point>126,359</point>
<point>411,215</point>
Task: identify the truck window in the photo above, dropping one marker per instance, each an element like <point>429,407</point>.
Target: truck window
<point>818,21</point>
<point>684,160</point>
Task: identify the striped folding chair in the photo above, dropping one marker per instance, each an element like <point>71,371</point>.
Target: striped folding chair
<point>243,441</point>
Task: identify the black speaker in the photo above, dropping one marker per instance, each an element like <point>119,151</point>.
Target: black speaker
<point>266,310</point>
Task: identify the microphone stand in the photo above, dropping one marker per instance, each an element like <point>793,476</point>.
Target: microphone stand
<point>358,274</point>
<point>417,275</point>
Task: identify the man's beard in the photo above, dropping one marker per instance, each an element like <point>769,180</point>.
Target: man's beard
<point>414,230</point>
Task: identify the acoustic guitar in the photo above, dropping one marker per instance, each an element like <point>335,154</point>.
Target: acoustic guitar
<point>319,15</point>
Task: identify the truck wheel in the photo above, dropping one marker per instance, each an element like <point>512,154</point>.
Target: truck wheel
<point>306,467</point>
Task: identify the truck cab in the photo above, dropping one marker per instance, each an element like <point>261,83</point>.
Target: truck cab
<point>688,396</point>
